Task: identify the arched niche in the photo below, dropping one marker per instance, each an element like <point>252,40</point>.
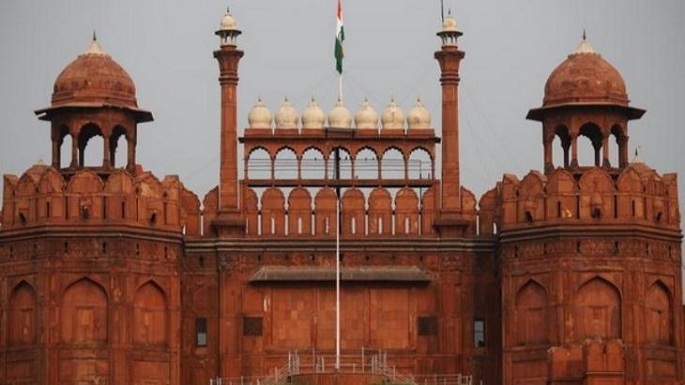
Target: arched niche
<point>598,310</point>
<point>659,319</point>
<point>22,320</point>
<point>531,314</point>
<point>353,212</point>
<point>251,209</point>
<point>84,313</point>
<point>150,320</point>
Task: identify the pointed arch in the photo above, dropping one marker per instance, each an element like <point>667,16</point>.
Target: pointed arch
<point>118,147</point>
<point>313,164</point>
<point>366,165</point>
<point>286,163</point>
<point>84,313</point>
<point>598,310</point>
<point>420,164</point>
<point>590,156</point>
<point>659,322</point>
<point>150,318</point>
<point>21,322</point>
<point>532,314</point>
<point>393,165</point>
<point>90,136</point>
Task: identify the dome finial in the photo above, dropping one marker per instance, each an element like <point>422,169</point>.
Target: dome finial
<point>584,46</point>
<point>94,48</point>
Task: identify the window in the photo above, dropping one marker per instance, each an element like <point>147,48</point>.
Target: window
<point>252,326</point>
<point>428,326</point>
<point>201,331</point>
<point>479,333</point>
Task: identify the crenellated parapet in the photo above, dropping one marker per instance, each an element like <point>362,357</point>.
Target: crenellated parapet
<point>43,196</point>
<point>635,195</point>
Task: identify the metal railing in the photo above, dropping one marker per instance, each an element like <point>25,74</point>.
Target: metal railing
<point>374,362</point>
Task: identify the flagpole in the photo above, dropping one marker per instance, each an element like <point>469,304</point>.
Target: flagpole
<point>339,54</point>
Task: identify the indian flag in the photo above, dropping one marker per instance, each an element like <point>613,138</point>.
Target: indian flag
<point>339,37</point>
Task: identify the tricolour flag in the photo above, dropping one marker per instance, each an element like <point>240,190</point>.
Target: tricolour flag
<point>339,37</point>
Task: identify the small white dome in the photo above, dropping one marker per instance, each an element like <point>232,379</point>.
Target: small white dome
<point>366,116</point>
<point>450,24</point>
<point>228,22</point>
<point>313,116</point>
<point>286,116</point>
<point>339,117</point>
<point>393,117</point>
<point>419,116</point>
<point>259,116</point>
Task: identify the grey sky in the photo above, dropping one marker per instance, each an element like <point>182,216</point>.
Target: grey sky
<point>511,47</point>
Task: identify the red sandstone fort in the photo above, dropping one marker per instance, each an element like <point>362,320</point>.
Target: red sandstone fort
<point>568,275</point>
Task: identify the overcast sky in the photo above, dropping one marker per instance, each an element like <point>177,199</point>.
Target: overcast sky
<point>511,47</point>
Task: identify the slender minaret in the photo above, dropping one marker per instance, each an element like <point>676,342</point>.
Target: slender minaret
<point>449,58</point>
<point>228,56</point>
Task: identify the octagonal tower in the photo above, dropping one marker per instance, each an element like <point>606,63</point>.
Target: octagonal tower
<point>590,254</point>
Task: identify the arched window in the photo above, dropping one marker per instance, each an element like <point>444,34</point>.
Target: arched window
<point>392,164</point>
<point>312,164</point>
<point>366,164</point>
<point>259,164</point>
<point>590,150</point>
<point>118,148</point>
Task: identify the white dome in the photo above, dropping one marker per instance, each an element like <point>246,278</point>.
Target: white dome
<point>450,24</point>
<point>259,116</point>
<point>366,116</point>
<point>393,117</point>
<point>339,117</point>
<point>286,116</point>
<point>313,116</point>
<point>228,22</point>
<point>419,116</point>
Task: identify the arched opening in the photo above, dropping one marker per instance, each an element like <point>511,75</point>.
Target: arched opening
<point>366,164</point>
<point>65,143</point>
<point>285,164</point>
<point>420,164</point>
<point>562,142</point>
<point>590,149</point>
<point>258,164</point>
<point>344,165</point>
<point>91,137</point>
<point>392,164</point>
<point>118,148</point>
<point>312,165</point>
<point>618,147</point>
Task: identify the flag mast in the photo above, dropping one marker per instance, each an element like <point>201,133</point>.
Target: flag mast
<point>339,37</point>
